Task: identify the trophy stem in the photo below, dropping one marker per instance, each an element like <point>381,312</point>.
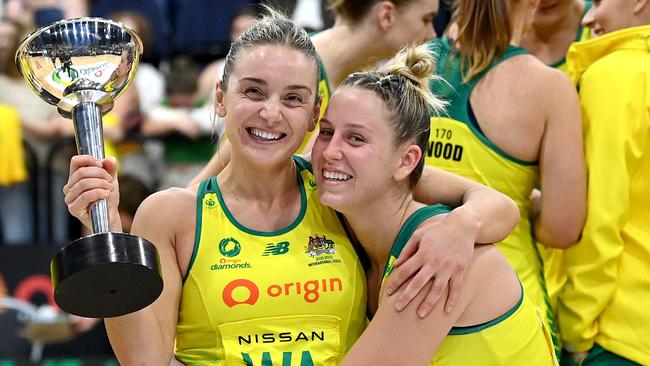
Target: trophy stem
<point>87,119</point>
<point>81,66</point>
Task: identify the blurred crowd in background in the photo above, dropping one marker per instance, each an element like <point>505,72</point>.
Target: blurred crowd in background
<point>162,129</point>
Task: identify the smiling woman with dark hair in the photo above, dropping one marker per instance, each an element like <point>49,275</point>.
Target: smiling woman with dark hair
<point>368,158</point>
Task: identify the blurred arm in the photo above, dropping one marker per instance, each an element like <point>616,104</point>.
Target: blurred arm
<point>562,165</point>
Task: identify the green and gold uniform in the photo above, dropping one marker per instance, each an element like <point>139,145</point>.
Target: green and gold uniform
<point>517,337</point>
<point>324,89</point>
<point>458,145</point>
<point>293,296</point>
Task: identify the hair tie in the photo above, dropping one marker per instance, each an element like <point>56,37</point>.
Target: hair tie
<point>384,80</point>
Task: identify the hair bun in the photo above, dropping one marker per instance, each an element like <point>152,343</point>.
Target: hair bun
<point>417,64</point>
<point>413,62</point>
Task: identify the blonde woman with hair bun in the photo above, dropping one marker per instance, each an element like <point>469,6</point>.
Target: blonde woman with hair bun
<point>367,159</point>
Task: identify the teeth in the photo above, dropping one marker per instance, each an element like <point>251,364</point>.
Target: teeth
<point>265,135</point>
<point>336,176</point>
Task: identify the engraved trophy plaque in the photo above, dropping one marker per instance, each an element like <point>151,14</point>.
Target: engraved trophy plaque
<point>81,66</point>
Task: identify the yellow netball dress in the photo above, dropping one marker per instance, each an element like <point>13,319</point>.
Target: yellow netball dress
<point>295,296</point>
<point>517,337</point>
<point>458,145</point>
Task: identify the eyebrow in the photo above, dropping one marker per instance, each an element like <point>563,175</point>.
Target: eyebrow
<point>349,126</point>
<point>290,87</point>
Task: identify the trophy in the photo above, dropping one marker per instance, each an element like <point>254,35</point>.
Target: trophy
<point>81,66</point>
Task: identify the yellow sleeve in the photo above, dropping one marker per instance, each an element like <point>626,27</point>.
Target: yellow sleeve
<point>13,168</point>
<point>610,114</point>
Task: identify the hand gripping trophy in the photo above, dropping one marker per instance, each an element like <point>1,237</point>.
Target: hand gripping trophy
<point>81,66</point>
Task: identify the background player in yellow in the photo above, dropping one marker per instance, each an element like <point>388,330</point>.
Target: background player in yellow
<point>511,122</point>
<point>365,32</point>
<point>15,225</point>
<point>368,158</point>
<point>603,307</point>
<point>265,196</point>
<point>557,24</point>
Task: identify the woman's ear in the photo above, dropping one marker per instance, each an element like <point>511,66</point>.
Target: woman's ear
<point>385,13</point>
<point>410,159</point>
<point>219,97</point>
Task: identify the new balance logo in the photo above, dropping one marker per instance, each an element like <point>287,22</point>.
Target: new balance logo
<point>276,249</point>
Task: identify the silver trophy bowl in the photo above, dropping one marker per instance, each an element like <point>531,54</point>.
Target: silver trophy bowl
<point>81,66</point>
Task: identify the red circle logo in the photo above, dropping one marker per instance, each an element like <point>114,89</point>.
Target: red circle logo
<point>253,292</point>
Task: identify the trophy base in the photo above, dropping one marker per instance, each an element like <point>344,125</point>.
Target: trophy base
<point>106,275</point>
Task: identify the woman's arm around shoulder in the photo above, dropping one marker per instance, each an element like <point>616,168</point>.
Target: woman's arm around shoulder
<point>443,250</point>
<point>402,338</point>
<point>489,214</point>
<point>146,337</point>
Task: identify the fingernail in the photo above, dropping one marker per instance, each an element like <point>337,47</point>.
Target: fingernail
<point>422,313</point>
<point>389,291</point>
<point>448,309</point>
<point>399,306</point>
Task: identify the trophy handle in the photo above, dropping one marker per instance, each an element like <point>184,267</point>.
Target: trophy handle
<point>87,119</point>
